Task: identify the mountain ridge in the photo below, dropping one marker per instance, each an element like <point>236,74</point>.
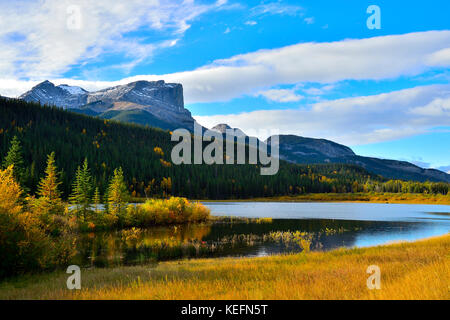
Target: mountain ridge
<point>161,103</point>
<point>303,150</point>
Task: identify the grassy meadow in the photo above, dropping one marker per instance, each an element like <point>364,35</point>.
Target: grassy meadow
<point>409,270</point>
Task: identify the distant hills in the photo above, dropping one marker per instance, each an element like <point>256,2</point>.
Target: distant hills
<point>303,150</point>
<point>159,104</point>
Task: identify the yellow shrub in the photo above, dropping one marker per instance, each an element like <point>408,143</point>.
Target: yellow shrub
<point>169,211</point>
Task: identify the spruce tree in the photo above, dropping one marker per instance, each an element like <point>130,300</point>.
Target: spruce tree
<point>81,191</point>
<point>50,201</point>
<point>118,196</point>
<point>15,158</point>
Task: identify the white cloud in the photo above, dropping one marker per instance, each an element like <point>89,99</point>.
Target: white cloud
<point>276,8</point>
<point>44,38</point>
<point>281,95</point>
<point>378,58</point>
<point>309,20</point>
<point>436,108</point>
<point>440,58</point>
<point>251,23</point>
<point>319,91</point>
<point>352,121</point>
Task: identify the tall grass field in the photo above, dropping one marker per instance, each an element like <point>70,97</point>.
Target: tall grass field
<point>416,270</point>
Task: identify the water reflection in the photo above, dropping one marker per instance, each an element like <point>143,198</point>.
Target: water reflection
<point>234,239</point>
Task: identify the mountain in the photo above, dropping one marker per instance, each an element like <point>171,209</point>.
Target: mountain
<point>153,103</point>
<point>223,127</point>
<point>303,150</point>
<point>294,148</point>
<point>62,96</point>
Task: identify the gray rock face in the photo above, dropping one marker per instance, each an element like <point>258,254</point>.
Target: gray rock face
<point>162,100</point>
<point>155,93</point>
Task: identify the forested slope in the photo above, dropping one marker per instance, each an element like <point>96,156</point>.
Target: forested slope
<point>108,145</point>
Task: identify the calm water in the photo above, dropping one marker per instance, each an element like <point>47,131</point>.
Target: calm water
<point>330,225</point>
<point>380,223</point>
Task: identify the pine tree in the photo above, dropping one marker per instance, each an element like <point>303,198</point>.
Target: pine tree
<point>81,191</point>
<point>49,196</point>
<point>14,158</point>
<point>118,196</point>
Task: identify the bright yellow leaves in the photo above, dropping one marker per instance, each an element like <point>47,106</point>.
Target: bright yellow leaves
<point>10,192</point>
<point>158,151</point>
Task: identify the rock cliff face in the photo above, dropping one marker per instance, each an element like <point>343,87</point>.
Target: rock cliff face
<point>155,93</point>
<point>155,103</point>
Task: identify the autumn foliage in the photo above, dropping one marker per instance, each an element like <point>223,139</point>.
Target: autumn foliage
<point>24,243</point>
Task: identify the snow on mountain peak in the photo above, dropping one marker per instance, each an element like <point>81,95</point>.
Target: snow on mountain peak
<point>72,89</point>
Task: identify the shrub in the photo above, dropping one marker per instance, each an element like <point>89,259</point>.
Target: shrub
<point>166,211</point>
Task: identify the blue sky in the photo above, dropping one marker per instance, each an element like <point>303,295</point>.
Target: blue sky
<point>311,68</point>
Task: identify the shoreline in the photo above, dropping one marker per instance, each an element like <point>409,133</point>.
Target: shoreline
<point>415,270</point>
<point>386,198</point>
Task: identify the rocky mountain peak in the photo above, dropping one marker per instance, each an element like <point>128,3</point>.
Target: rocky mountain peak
<point>72,89</point>
<point>61,96</point>
<point>155,100</point>
<point>223,127</point>
<point>146,93</point>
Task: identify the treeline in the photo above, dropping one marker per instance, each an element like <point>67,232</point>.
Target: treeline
<point>400,186</point>
<point>144,155</point>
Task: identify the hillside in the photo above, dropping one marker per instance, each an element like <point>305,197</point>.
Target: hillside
<point>109,144</point>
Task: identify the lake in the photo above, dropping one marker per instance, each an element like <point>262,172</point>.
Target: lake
<point>325,226</point>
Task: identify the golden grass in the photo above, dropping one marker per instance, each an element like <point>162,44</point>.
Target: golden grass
<point>354,197</point>
<point>418,270</point>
